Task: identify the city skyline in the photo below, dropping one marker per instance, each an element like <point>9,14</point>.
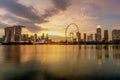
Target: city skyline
<point>57,14</point>
<point>14,34</point>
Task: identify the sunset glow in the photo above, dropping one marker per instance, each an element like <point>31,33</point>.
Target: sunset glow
<point>53,16</point>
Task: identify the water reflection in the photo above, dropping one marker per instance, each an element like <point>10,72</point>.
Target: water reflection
<point>106,54</point>
<point>99,54</point>
<point>12,54</point>
<point>61,62</point>
<point>106,47</point>
<point>116,54</point>
<point>116,46</point>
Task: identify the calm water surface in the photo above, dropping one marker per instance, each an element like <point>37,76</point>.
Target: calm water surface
<point>60,62</point>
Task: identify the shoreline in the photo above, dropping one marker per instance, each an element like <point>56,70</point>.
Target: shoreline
<point>81,43</point>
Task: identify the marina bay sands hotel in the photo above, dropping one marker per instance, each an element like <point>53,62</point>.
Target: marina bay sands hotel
<point>13,34</point>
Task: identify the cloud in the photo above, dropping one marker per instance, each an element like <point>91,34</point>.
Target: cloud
<point>18,9</point>
<point>30,13</point>
<point>92,9</point>
<point>61,4</point>
<point>18,21</point>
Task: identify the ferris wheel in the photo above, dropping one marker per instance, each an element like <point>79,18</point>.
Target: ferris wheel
<point>71,31</point>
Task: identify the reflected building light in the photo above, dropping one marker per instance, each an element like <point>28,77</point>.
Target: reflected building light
<point>99,56</point>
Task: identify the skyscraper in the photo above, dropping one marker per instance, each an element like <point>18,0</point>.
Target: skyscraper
<point>116,35</point>
<point>95,36</point>
<point>91,37</point>
<point>35,37</point>
<point>106,35</point>
<point>43,36</point>
<point>88,38</point>
<point>47,37</point>
<point>99,33</point>
<point>85,36</point>
<point>78,36</point>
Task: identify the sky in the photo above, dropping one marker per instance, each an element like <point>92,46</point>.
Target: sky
<point>53,16</point>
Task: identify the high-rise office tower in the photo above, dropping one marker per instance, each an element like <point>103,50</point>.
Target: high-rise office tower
<point>95,36</point>
<point>91,37</point>
<point>35,37</point>
<point>99,33</point>
<point>116,35</point>
<point>106,35</point>
<point>78,36</point>
<point>88,38</point>
<point>85,36</point>
<point>47,38</point>
<point>43,36</point>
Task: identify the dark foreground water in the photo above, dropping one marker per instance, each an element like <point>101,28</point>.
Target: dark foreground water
<point>60,62</point>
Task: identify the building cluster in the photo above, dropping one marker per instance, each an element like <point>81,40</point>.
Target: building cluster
<point>98,36</point>
<point>35,38</point>
<point>44,39</point>
<point>14,34</point>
